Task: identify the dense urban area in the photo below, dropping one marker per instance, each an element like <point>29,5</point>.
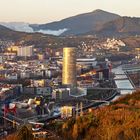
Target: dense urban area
<point>69,87</point>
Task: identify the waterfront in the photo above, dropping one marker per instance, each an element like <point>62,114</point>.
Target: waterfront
<point>121,83</point>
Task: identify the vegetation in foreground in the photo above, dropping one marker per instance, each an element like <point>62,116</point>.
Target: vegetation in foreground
<point>118,121</point>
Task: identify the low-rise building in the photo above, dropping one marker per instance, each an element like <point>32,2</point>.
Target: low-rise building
<point>43,91</point>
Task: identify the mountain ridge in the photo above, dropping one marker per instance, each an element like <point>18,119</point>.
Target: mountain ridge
<point>123,26</point>
<point>97,22</point>
<point>78,24</point>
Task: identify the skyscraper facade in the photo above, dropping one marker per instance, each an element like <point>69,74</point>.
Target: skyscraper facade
<point>69,66</point>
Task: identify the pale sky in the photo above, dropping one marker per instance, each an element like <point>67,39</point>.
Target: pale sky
<point>44,11</point>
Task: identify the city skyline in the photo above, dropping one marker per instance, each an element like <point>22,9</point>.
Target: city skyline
<point>45,11</point>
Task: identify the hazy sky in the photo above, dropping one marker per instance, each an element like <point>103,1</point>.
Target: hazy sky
<point>44,11</point>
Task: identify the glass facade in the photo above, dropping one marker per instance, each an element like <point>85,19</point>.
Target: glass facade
<point>69,66</point>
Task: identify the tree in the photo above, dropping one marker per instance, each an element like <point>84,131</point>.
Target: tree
<point>75,131</point>
<point>24,134</point>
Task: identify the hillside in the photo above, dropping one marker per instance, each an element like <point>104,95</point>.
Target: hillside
<point>123,26</point>
<point>118,121</point>
<point>18,26</point>
<point>132,41</point>
<point>37,39</point>
<point>78,24</point>
<point>98,22</point>
<point>43,40</point>
<point>8,34</point>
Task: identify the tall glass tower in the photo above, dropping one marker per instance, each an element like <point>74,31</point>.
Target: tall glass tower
<point>69,66</point>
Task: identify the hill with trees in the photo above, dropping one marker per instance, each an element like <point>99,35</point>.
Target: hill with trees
<point>121,27</point>
<point>118,121</point>
<point>37,39</point>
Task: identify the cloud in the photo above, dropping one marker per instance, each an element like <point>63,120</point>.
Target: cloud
<point>53,32</point>
<point>18,26</point>
<point>24,27</point>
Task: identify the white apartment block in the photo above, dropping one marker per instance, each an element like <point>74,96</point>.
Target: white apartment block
<point>26,51</point>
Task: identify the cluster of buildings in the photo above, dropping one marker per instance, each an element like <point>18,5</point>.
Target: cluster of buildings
<point>100,48</point>
<point>5,43</point>
<point>113,44</point>
<point>137,51</point>
<point>54,78</point>
<point>51,75</point>
<point>20,51</point>
<point>8,91</point>
<point>59,78</point>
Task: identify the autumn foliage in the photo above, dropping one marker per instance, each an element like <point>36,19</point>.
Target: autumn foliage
<point>119,121</point>
<point>24,133</point>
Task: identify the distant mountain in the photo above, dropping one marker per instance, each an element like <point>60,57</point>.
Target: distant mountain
<point>98,22</point>
<point>123,26</point>
<point>4,28</point>
<point>6,33</point>
<point>77,24</point>
<point>18,26</point>
<point>9,34</point>
<point>37,39</point>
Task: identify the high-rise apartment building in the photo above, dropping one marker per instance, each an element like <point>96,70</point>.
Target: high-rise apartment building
<point>25,51</point>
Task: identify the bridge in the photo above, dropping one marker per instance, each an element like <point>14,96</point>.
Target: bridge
<point>131,67</point>
<point>120,78</point>
<point>123,81</point>
<point>99,88</point>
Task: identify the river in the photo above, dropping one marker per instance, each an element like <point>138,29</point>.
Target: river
<point>122,82</point>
